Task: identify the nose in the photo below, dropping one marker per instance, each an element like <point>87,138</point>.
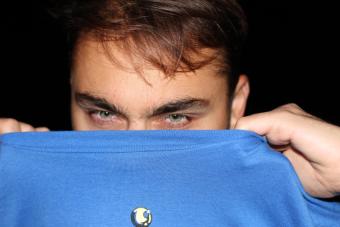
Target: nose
<point>137,125</point>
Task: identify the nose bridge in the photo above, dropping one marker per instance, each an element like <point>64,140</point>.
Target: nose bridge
<point>137,124</point>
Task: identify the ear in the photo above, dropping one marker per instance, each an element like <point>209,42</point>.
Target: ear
<point>239,101</point>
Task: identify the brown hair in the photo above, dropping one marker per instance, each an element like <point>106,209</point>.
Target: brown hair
<point>165,33</point>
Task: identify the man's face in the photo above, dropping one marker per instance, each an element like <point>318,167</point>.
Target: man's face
<point>109,96</point>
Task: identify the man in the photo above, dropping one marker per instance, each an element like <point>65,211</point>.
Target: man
<point>140,65</point>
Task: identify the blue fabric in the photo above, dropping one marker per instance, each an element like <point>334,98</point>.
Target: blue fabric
<point>185,178</point>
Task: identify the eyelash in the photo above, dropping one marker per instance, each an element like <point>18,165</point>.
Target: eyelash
<point>95,115</point>
<point>188,119</point>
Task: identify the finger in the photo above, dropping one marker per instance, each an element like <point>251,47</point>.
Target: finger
<point>25,127</point>
<point>42,129</point>
<point>278,125</point>
<point>316,139</point>
<point>254,123</point>
<point>280,148</point>
<point>268,125</point>
<point>9,125</point>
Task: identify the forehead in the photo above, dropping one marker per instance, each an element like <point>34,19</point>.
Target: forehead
<point>130,79</point>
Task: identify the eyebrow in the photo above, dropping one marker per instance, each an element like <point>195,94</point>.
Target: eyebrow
<point>86,100</point>
<point>181,105</point>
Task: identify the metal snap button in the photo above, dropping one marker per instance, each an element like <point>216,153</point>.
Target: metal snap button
<point>141,217</point>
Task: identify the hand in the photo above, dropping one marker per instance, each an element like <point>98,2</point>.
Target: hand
<point>311,145</point>
<point>8,125</point>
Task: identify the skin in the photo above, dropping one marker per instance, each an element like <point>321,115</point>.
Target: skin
<point>115,97</point>
<point>311,144</point>
<point>104,95</point>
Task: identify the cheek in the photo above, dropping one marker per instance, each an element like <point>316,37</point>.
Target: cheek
<point>223,113</point>
<point>219,117</point>
<point>224,119</point>
<point>78,118</point>
<point>218,120</point>
<point>211,123</point>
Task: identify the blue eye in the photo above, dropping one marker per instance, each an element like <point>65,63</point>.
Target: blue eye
<point>104,114</point>
<point>101,115</point>
<point>176,118</point>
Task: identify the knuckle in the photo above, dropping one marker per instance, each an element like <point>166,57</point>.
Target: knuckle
<point>241,123</point>
<point>42,129</point>
<point>291,108</point>
<point>8,121</point>
<point>26,127</point>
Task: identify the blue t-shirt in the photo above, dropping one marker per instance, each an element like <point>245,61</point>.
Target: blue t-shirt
<point>166,178</point>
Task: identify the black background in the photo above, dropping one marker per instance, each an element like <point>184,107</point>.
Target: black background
<point>291,56</point>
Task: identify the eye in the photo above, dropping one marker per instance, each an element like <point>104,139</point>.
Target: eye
<point>105,119</point>
<point>104,114</point>
<point>101,115</point>
<point>176,119</point>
